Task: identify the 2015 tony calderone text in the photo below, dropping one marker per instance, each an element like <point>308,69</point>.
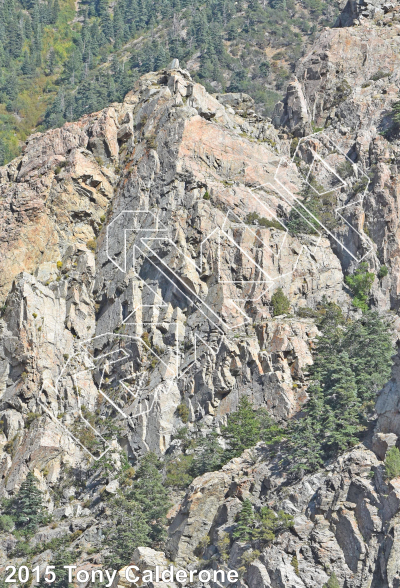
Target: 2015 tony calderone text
<point>132,574</point>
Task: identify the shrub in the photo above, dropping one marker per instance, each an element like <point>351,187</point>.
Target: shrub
<point>206,196</point>
<point>146,339</point>
<point>183,412</point>
<point>253,217</point>
<point>31,416</point>
<point>295,564</point>
<point>383,271</point>
<point>360,283</point>
<point>91,245</point>
<point>223,545</point>
<point>249,556</point>
<point>280,303</point>
<point>151,142</point>
<point>201,546</point>
<point>271,523</point>
<point>178,472</point>
<point>316,203</point>
<point>6,523</point>
<point>59,264</point>
<point>332,582</point>
<point>392,463</point>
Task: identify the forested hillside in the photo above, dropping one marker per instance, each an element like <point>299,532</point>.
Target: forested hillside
<point>60,59</point>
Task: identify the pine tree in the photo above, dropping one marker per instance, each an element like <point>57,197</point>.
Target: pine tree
<point>307,434</point>
<point>26,67</point>
<point>130,530</point>
<point>148,491</point>
<point>342,419</point>
<point>55,11</point>
<point>280,303</point>
<point>332,582</point>
<point>60,559</point>
<point>245,523</point>
<point>27,507</point>
<point>208,456</point>
<point>243,428</point>
<point>373,369</point>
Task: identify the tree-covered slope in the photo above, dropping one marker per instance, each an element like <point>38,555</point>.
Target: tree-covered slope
<point>60,59</point>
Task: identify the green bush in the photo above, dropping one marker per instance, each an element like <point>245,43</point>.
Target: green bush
<point>183,412</point>
<point>91,245</point>
<point>392,463</point>
<point>332,582</point>
<point>280,303</point>
<point>263,526</point>
<point>6,523</point>
<point>178,472</point>
<point>360,283</point>
<point>383,272</point>
<point>316,203</point>
<point>253,217</point>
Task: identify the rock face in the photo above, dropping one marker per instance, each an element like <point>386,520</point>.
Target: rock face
<point>141,247</point>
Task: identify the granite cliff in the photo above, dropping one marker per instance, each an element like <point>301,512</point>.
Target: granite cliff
<point>141,247</point>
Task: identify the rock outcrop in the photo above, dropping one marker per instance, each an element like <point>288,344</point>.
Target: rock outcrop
<point>141,247</point>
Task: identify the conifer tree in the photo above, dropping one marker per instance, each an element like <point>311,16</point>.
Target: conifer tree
<point>130,530</point>
<point>307,434</point>
<point>56,11</point>
<point>371,370</point>
<point>208,456</point>
<point>243,428</point>
<point>332,582</point>
<point>245,523</point>
<point>27,507</point>
<point>360,283</point>
<point>342,419</point>
<point>392,463</point>
<point>149,492</point>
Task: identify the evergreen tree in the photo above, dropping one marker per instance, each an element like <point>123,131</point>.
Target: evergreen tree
<point>130,530</point>
<point>371,370</point>
<point>208,456</point>
<point>148,491</point>
<point>307,434</point>
<point>26,67</point>
<point>243,429</point>
<point>360,283</point>
<point>345,379</point>
<point>332,582</point>
<point>392,463</point>
<point>245,523</point>
<point>60,559</point>
<point>280,303</point>
<point>342,405</point>
<point>27,507</point>
<point>2,151</point>
<point>55,11</point>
